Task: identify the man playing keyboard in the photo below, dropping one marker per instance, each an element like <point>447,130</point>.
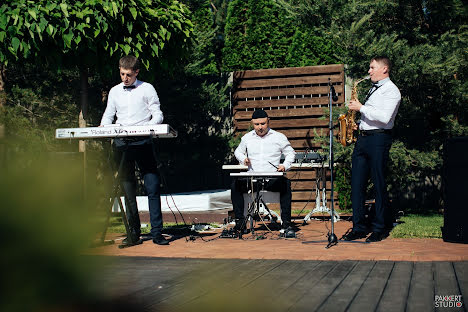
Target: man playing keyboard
<point>133,103</point>
<point>260,150</point>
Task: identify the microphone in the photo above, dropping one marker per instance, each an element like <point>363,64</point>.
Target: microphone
<point>334,96</point>
<point>332,89</point>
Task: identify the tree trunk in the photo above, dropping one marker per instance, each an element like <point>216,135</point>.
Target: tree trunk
<point>82,121</point>
<point>2,104</point>
<point>2,97</point>
<point>83,104</point>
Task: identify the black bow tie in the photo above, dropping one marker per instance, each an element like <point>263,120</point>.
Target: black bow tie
<point>129,87</point>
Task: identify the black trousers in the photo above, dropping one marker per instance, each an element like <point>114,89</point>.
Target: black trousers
<point>140,155</point>
<point>282,185</point>
<point>370,157</point>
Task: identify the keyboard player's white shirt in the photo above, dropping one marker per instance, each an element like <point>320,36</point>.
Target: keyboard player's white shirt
<point>133,107</point>
<point>263,150</point>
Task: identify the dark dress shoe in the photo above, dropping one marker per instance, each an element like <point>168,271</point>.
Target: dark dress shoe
<point>376,237</point>
<point>160,240</point>
<point>240,224</point>
<point>289,232</point>
<point>136,241</point>
<point>353,235</point>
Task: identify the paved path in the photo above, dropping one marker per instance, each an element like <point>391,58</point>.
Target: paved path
<point>310,245</point>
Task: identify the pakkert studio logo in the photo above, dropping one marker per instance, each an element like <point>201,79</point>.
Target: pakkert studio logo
<point>448,301</point>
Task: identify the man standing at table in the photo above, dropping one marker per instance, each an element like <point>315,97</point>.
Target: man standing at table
<point>260,150</point>
<point>371,152</point>
<point>134,103</point>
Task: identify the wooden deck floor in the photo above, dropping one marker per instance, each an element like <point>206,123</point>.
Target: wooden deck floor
<point>177,284</point>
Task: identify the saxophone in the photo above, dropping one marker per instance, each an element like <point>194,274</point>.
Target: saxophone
<point>347,121</point>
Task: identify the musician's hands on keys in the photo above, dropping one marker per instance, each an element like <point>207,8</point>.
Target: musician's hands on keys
<point>247,162</point>
<point>355,105</point>
<point>281,168</point>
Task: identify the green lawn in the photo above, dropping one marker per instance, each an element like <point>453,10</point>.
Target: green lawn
<point>116,226</point>
<point>411,226</point>
<point>419,226</point>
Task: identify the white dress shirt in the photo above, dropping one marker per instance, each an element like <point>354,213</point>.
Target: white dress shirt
<point>263,150</point>
<point>380,109</point>
<point>133,107</point>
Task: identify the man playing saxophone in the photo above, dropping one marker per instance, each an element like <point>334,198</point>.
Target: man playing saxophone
<point>371,152</point>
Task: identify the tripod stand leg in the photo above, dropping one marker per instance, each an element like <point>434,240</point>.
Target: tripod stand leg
<point>249,218</point>
<point>130,239</point>
<point>106,226</point>
<point>271,213</point>
<point>113,194</point>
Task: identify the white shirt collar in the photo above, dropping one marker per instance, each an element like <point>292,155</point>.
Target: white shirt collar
<point>381,82</point>
<point>268,133</point>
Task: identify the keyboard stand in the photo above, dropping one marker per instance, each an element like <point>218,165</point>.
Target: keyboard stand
<point>115,194</point>
<point>253,210</point>
<point>254,207</point>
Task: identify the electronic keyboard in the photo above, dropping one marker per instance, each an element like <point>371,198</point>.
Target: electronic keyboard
<point>257,174</point>
<point>116,131</point>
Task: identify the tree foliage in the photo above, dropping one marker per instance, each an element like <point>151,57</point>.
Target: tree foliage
<point>426,39</point>
<point>203,41</point>
<point>89,31</point>
<point>195,97</point>
<point>261,34</point>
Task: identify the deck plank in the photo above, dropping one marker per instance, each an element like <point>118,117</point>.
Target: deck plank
<point>318,293</point>
<point>314,273</point>
<point>445,283</point>
<point>461,271</point>
<point>395,294</point>
<point>421,291</point>
<point>178,284</point>
<point>216,285</point>
<point>373,287</point>
<point>121,271</point>
<point>342,296</point>
<point>266,286</point>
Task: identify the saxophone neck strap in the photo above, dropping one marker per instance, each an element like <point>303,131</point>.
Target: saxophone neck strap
<point>371,91</point>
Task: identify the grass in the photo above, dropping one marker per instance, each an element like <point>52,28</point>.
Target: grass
<point>116,226</point>
<point>411,226</point>
<point>303,213</point>
<point>419,226</point>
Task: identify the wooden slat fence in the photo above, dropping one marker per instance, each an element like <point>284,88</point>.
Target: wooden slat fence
<point>296,100</point>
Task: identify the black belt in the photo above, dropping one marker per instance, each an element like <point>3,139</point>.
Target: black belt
<point>372,132</point>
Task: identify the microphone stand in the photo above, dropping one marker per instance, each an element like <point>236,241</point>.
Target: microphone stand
<point>332,239</point>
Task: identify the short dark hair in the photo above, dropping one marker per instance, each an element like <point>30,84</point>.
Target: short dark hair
<point>259,113</point>
<point>383,60</point>
<point>129,62</point>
